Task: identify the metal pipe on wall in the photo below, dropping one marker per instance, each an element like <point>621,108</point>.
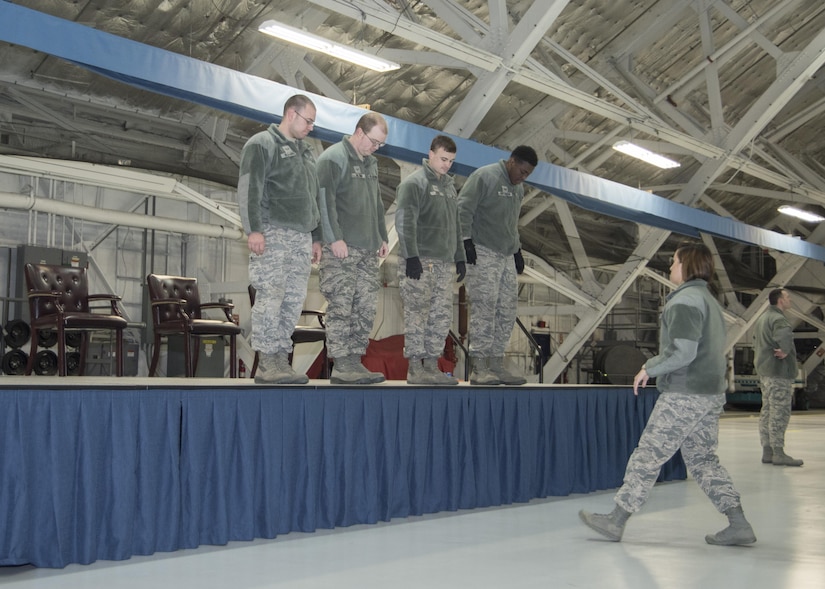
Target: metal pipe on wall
<point>75,211</point>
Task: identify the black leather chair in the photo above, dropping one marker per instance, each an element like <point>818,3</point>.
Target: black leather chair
<point>177,310</point>
<point>59,300</point>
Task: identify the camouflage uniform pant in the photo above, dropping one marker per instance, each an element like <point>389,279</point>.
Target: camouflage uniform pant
<point>280,275</point>
<point>777,396</point>
<point>350,286</point>
<point>686,422</point>
<point>428,307</point>
<point>492,290</point>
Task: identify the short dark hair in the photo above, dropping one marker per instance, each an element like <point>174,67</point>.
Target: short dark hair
<point>775,295</point>
<point>297,101</point>
<point>526,154</point>
<point>697,261</point>
<point>443,142</point>
<point>370,120</point>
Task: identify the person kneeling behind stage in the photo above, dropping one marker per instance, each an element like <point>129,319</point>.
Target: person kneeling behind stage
<point>690,374</point>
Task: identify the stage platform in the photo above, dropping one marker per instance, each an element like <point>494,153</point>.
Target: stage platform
<point>107,468</point>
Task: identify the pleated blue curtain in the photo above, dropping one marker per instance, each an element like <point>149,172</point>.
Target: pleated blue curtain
<point>107,474</point>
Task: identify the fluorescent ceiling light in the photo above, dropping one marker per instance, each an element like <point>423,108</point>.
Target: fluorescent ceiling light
<point>645,155</point>
<point>316,43</point>
<point>800,214</point>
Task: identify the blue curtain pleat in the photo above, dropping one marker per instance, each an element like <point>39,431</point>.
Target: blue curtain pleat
<point>15,504</point>
<point>268,463</point>
<point>421,451</point>
<point>438,483</point>
<point>156,445</point>
<point>302,455</point>
<point>373,454</point>
<point>402,445</point>
<point>106,474</point>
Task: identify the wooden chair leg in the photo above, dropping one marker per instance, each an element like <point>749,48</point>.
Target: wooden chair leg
<point>155,355</point>
<point>84,349</point>
<point>61,351</point>
<point>233,357</point>
<point>255,364</point>
<point>325,366</point>
<point>119,352</point>
<point>32,353</point>
<point>187,353</point>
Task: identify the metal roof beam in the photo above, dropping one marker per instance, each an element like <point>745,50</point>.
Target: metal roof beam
<point>514,51</point>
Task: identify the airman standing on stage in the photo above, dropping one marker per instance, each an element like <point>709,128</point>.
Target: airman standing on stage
<point>278,196</point>
<point>355,237</point>
<point>489,207</point>
<point>432,261</point>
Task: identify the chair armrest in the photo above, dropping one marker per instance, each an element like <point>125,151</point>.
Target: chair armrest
<point>56,301</point>
<point>34,295</point>
<point>317,314</point>
<point>178,303</point>
<point>158,302</point>
<point>104,297</point>
<point>225,307</point>
<point>113,300</point>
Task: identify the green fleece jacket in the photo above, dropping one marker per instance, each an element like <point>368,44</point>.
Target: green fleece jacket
<point>278,184</point>
<point>351,207</point>
<point>489,207</point>
<point>773,330</point>
<point>427,216</point>
<point>691,356</point>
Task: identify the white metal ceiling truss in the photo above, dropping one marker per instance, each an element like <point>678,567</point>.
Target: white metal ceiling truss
<point>787,83</point>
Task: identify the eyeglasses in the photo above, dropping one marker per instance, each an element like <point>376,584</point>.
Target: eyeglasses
<point>310,122</point>
<point>375,143</point>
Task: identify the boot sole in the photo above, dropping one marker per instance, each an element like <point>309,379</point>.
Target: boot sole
<point>710,539</point>
<point>287,380</point>
<point>339,380</point>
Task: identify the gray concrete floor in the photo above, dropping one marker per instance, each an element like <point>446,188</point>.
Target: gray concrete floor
<point>540,544</point>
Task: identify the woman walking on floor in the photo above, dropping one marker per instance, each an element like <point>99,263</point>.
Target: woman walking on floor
<point>690,375</point>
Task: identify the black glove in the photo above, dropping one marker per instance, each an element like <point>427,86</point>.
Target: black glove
<point>519,262</point>
<point>470,250</point>
<point>414,268</point>
<point>461,270</point>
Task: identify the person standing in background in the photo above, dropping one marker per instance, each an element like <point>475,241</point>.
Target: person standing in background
<point>432,255</point>
<point>278,198</point>
<point>355,237</point>
<point>775,364</point>
<point>489,207</point>
<point>690,375</point>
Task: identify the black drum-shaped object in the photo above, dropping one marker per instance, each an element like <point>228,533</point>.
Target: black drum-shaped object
<point>46,338</point>
<point>45,363</point>
<point>14,362</point>
<point>618,364</point>
<point>18,333</point>
<point>73,363</point>
<point>74,339</point>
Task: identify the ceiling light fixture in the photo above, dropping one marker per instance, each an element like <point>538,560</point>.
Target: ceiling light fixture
<point>800,214</point>
<point>645,155</point>
<point>316,43</point>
